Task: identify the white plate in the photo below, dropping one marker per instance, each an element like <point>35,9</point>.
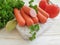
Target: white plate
<point>41,39</point>
<point>43,28</point>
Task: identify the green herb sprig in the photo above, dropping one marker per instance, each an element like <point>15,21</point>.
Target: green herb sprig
<point>33,6</point>
<point>33,30</point>
<point>6,10</point>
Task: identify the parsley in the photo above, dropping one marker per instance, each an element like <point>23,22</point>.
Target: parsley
<point>33,6</point>
<point>33,36</point>
<point>37,27</point>
<point>6,10</point>
<point>33,29</point>
<point>30,2</point>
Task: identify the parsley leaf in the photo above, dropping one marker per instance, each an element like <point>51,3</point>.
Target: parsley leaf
<point>6,10</point>
<point>33,29</point>
<point>33,36</point>
<point>37,27</point>
<point>33,6</point>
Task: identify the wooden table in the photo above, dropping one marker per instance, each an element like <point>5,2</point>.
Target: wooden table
<point>49,37</point>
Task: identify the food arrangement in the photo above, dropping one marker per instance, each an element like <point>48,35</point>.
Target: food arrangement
<point>26,19</point>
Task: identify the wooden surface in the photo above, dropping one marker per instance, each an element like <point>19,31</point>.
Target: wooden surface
<point>49,37</point>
